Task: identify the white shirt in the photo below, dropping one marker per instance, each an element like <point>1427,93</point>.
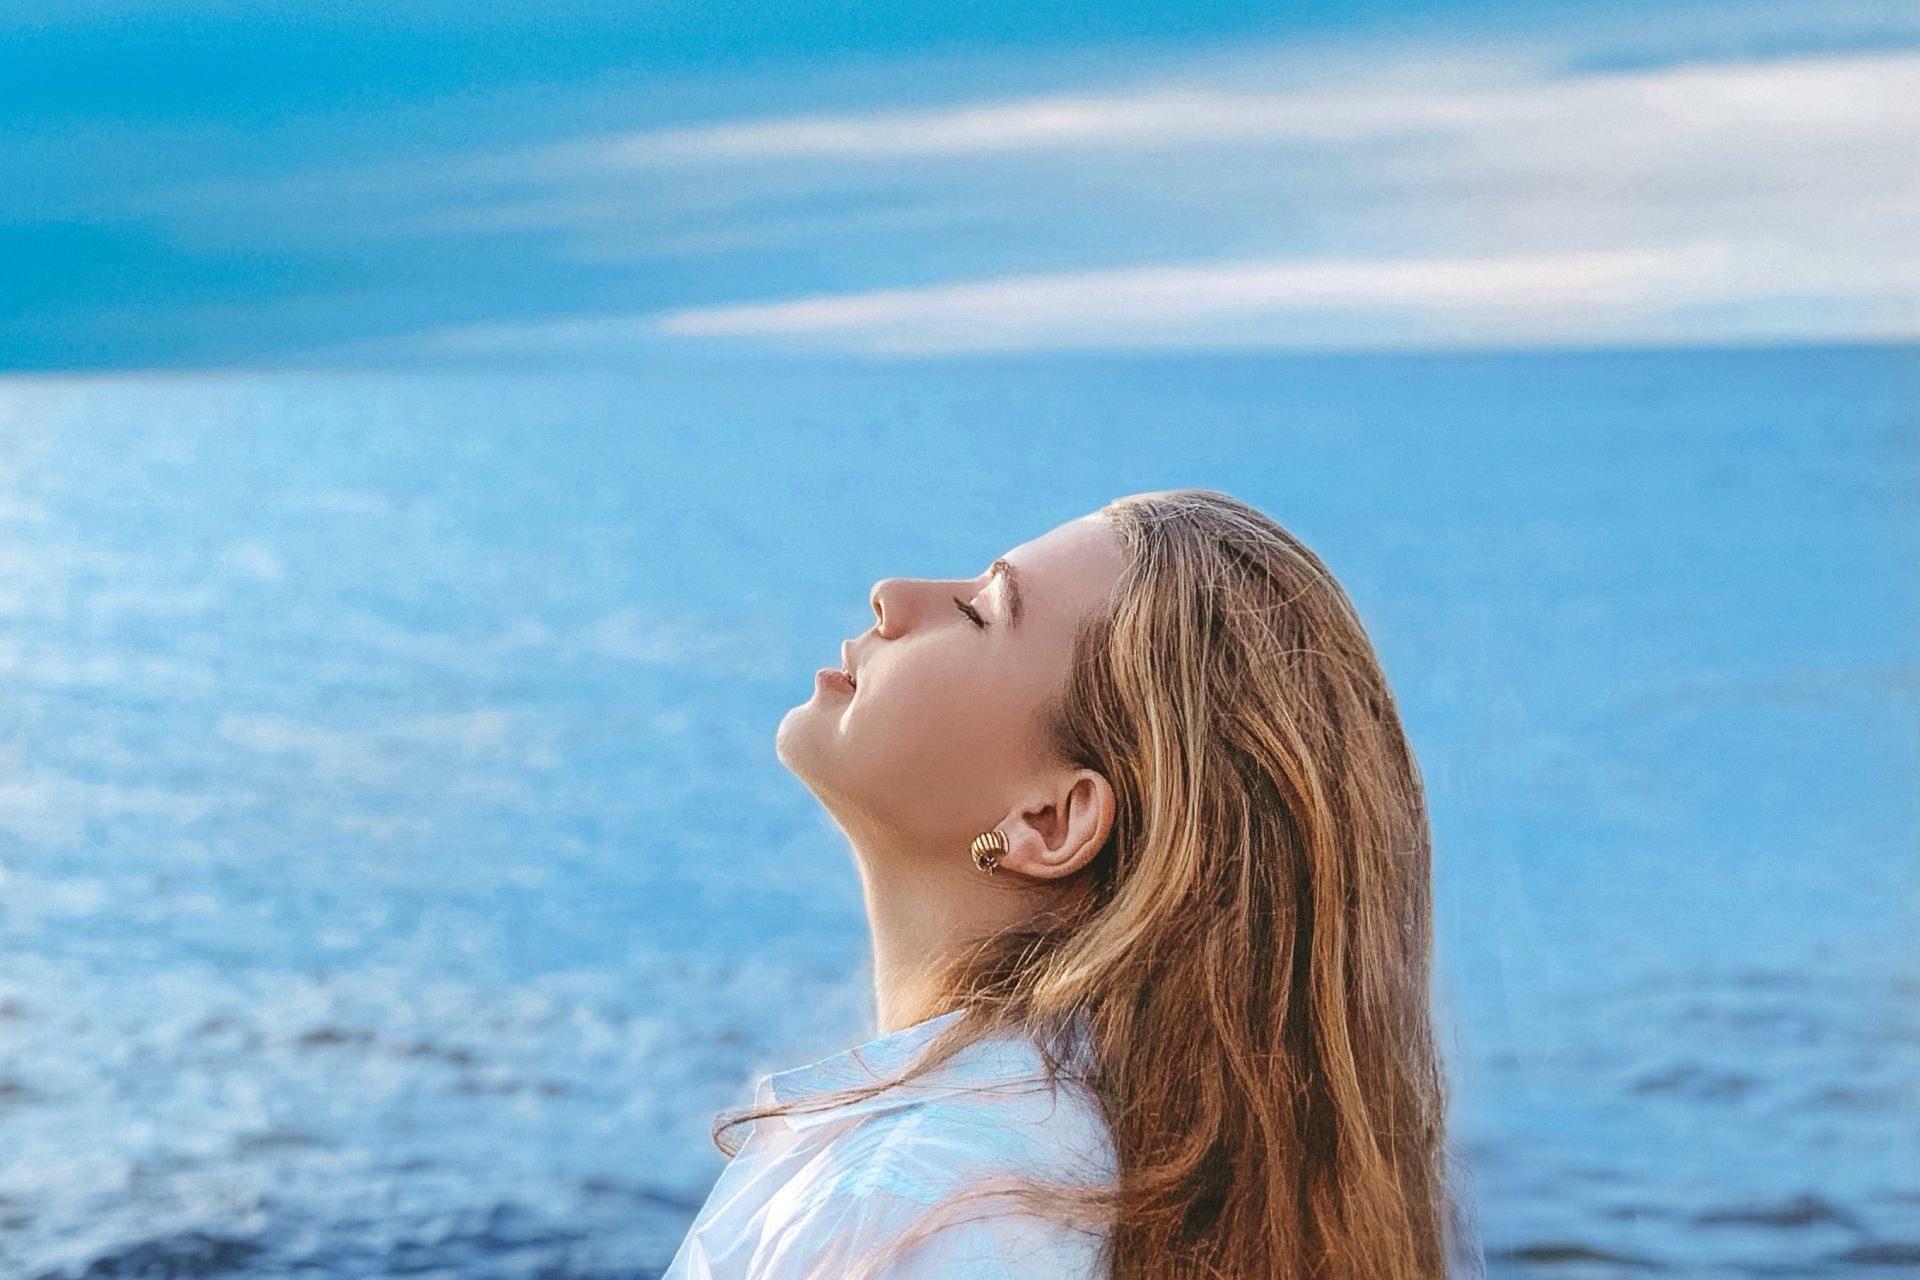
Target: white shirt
<point>806,1194</point>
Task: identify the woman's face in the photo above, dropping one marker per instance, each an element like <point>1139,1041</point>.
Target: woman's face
<point>934,744</point>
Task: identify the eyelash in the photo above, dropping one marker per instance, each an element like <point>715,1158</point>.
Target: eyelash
<point>972,613</point>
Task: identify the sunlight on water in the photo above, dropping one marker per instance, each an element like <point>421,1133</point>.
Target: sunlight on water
<point>395,874</point>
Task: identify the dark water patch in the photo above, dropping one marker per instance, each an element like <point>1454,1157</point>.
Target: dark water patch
<point>150,1174</point>
<point>505,1226</point>
<point>188,1253</point>
<point>14,1216</point>
<point>1795,1020</point>
<point>276,1139</point>
<point>502,1241</point>
<point>1798,1211</point>
<point>1702,1084</point>
<point>1572,1252</point>
<point>454,1056</point>
<point>246,1038</point>
<point>638,1193</point>
<point>1803,1024</point>
<point>1854,1098</point>
<point>14,1091</point>
<point>1884,1253</point>
<point>487,1088</point>
<point>11,1008</point>
<point>331,1037</point>
<point>1772,979</point>
<point>1634,1212</point>
<point>1899,1033</point>
<point>1583,1173</point>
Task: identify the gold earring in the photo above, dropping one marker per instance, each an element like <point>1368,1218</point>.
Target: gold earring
<point>987,848</point>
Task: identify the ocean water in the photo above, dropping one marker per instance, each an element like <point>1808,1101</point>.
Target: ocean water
<point>395,874</point>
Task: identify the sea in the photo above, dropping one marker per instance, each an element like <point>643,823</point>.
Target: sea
<point>396,875</point>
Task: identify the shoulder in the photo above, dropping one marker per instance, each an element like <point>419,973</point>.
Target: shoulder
<point>1039,1129</point>
<point>974,1245</point>
<point>891,1172</point>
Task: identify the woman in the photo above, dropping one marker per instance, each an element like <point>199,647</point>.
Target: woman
<point>1146,859</point>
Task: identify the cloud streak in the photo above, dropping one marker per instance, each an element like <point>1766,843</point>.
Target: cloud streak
<point>1514,300</point>
<point>1807,96</point>
<point>1419,202</point>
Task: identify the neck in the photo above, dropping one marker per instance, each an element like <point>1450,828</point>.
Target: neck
<point>920,918</point>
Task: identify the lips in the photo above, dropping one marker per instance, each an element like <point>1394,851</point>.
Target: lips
<point>846,665</point>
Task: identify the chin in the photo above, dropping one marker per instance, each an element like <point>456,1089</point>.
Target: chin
<point>796,742</point>
<point>810,745</point>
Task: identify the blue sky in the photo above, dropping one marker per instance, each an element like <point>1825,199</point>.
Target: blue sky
<point>232,184</point>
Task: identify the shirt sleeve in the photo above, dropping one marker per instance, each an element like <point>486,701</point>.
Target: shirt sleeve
<point>999,1244</point>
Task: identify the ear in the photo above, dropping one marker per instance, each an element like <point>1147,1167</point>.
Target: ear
<point>1056,835</point>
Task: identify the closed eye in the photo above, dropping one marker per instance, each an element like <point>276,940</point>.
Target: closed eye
<point>971,612</point>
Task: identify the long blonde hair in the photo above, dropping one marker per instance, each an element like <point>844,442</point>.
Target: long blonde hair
<point>1253,960</point>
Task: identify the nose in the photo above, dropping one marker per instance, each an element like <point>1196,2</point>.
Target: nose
<point>892,601</point>
<point>878,597</point>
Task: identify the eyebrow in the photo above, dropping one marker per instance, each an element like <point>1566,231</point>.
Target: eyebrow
<point>1001,569</point>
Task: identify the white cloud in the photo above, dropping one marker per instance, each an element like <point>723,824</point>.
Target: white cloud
<point>1418,201</point>
<point>1807,96</point>
<point>1509,292</point>
<point>1516,299</point>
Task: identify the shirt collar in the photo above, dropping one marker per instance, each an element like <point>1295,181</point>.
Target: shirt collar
<point>999,1063</point>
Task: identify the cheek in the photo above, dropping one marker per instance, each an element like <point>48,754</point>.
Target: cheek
<point>937,730</point>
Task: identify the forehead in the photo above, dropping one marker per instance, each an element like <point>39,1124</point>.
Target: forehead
<point>1068,569</point>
